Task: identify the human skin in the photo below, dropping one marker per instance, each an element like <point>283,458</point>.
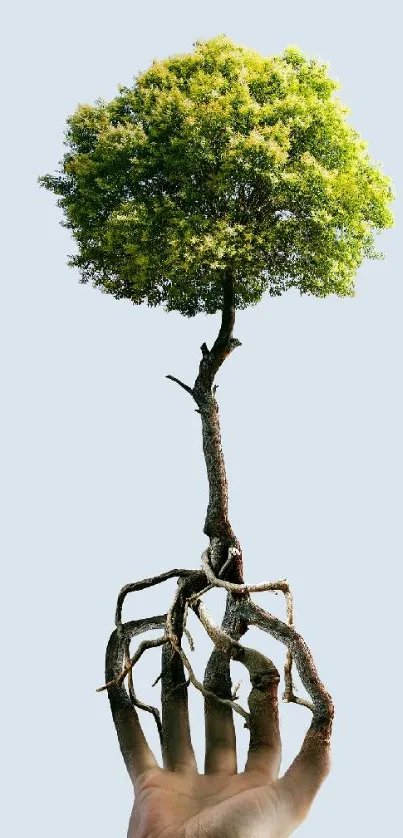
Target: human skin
<point>177,802</point>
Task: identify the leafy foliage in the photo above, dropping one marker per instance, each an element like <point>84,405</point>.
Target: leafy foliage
<point>217,160</point>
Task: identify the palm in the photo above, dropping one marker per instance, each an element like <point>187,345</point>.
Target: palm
<point>190,804</point>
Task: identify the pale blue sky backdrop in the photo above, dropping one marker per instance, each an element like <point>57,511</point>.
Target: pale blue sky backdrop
<point>103,475</point>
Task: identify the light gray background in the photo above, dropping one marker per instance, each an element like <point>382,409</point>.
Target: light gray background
<point>104,480</point>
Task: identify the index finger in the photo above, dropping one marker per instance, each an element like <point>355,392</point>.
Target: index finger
<point>135,749</point>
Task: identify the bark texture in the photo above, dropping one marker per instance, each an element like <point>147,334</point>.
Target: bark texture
<point>222,565</point>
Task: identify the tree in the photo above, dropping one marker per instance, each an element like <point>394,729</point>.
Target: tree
<point>219,175</point>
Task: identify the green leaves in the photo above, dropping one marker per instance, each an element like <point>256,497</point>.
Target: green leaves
<point>220,158</point>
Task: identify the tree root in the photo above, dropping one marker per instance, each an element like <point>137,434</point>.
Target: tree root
<point>321,705</point>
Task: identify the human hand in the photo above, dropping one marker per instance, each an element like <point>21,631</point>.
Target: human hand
<point>178,802</point>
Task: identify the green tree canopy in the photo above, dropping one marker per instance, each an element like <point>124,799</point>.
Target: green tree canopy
<point>221,159</point>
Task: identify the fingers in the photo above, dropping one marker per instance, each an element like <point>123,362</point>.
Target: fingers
<point>302,780</point>
<point>264,753</point>
<point>220,754</point>
<point>177,750</point>
<point>136,752</point>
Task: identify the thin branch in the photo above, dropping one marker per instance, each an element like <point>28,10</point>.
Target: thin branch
<point>158,678</point>
<point>199,594</point>
<point>235,690</point>
<point>232,553</point>
<point>146,583</point>
<point>281,585</point>
<point>177,687</point>
<point>145,644</point>
<point>134,700</point>
<point>181,384</point>
<point>130,670</point>
<point>189,639</point>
